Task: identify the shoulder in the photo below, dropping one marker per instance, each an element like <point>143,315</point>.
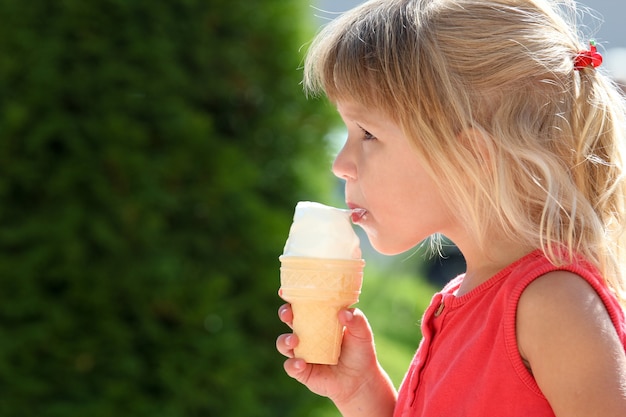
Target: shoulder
<point>565,333</point>
<point>560,302</point>
<point>559,292</point>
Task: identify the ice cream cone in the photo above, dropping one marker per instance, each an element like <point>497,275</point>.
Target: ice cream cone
<point>317,289</point>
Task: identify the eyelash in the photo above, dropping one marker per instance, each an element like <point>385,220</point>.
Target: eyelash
<point>367,135</point>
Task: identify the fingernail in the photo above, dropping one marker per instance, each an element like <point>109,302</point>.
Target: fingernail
<point>350,315</point>
<point>289,340</point>
<point>283,310</point>
<point>299,364</point>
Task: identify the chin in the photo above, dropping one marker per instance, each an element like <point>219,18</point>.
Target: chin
<point>389,245</point>
<point>389,250</point>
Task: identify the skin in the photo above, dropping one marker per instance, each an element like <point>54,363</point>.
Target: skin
<point>564,331</point>
<point>384,176</point>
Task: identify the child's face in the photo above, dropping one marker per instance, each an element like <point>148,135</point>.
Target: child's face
<point>384,176</point>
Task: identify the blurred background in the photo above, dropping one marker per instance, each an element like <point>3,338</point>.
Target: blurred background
<point>151,155</point>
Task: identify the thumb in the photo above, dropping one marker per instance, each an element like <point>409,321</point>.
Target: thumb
<point>357,326</point>
<point>357,348</point>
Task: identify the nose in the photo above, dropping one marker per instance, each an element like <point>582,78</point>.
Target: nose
<point>344,166</point>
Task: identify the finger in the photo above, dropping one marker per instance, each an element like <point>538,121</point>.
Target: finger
<point>297,368</point>
<point>357,348</point>
<point>285,343</point>
<point>285,314</point>
<point>356,324</point>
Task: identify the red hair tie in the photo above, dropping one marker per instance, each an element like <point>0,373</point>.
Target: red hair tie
<point>592,57</point>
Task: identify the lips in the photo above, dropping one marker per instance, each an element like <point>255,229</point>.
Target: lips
<point>357,213</point>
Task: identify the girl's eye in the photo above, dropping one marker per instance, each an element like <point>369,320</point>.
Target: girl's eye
<point>367,135</point>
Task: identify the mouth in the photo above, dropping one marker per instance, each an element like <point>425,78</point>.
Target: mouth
<point>357,214</point>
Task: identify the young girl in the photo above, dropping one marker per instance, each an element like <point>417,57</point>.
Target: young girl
<point>487,122</point>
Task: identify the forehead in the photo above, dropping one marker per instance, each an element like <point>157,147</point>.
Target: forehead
<point>373,116</point>
<point>350,108</point>
<point>370,118</point>
<point>354,110</point>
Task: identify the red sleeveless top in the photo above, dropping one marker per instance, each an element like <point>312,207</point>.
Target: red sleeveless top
<point>468,362</point>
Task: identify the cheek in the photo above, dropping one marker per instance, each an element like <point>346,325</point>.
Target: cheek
<point>410,210</point>
<point>397,224</point>
<point>390,240</point>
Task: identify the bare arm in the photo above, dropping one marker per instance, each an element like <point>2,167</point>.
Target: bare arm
<point>565,333</point>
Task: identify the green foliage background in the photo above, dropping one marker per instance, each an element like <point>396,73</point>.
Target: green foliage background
<point>151,153</point>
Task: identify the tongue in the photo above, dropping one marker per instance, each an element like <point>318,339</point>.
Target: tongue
<point>357,214</point>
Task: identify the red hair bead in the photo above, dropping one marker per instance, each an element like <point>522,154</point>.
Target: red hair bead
<point>591,57</point>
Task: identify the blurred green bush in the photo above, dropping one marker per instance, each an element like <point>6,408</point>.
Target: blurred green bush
<point>151,153</point>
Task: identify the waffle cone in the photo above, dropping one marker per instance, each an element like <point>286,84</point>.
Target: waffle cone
<point>317,289</point>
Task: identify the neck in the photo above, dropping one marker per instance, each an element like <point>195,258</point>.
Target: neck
<point>483,265</point>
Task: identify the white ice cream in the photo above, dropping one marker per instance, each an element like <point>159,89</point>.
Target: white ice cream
<point>320,231</point>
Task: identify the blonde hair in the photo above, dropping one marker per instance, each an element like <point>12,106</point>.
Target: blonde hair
<point>546,155</point>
